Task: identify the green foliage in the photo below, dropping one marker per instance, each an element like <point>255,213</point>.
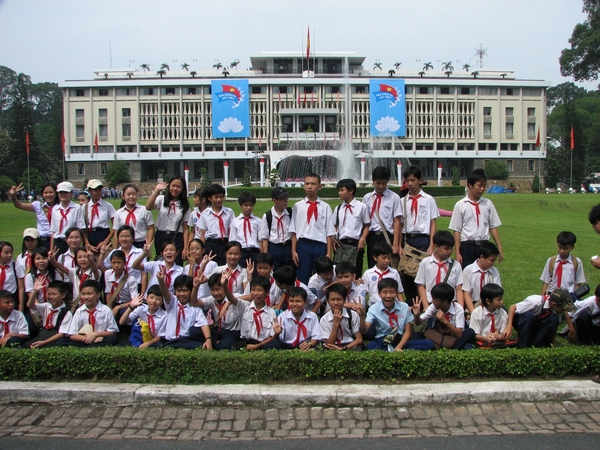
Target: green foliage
<point>455,176</point>
<point>36,179</point>
<point>535,185</point>
<point>496,170</point>
<point>6,183</point>
<point>246,177</point>
<point>204,180</point>
<point>274,176</point>
<point>331,192</point>
<point>116,172</point>
<point>166,177</point>
<point>167,366</point>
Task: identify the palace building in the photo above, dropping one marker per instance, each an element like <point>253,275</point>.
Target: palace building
<point>301,115</point>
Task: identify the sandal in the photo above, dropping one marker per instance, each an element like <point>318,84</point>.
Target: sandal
<point>596,379</point>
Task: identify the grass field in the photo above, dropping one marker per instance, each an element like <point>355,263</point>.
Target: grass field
<point>530,225</point>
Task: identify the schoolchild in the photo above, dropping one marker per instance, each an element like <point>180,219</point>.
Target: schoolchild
<point>473,219</point>
<point>482,272</point>
<point>392,321</point>
<point>199,264</point>
<point>244,229</point>
<point>382,256</point>
<point>120,286</point>
<point>536,318</point>
<point>297,327</point>
<point>438,268</point>
<point>312,228</point>
<point>225,330</point>
<point>65,215</point>
<point>264,268</point>
<point>55,316</point>
<point>215,223</point>
<point>182,316</point>
<point>586,319</point>
<point>446,316</point>
<point>384,208</point>
<point>285,280</point>
<point>340,326</point>
<point>42,209</point>
<point>42,271</point>
<point>171,268</point>
<point>351,220</point>
<point>563,271</point>
<point>125,236</point>
<point>173,214</point>
<point>31,241</point>
<point>489,320</point>
<point>99,216</point>
<point>238,276</point>
<point>274,232</point>
<point>75,240</point>
<point>323,277</point>
<point>200,204</point>
<point>150,313</point>
<point>9,277</point>
<point>93,324</point>
<point>85,269</point>
<point>13,326</point>
<point>356,294</point>
<point>418,222</point>
<point>257,319</point>
<point>134,215</point>
<point>83,198</point>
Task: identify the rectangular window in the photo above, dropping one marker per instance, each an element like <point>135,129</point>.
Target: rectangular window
<point>530,112</point>
<point>147,91</point>
<point>126,112</point>
<point>360,89</point>
<point>80,168</point>
<point>467,91</point>
<point>487,129</point>
<point>79,93</point>
<point>408,89</point>
<point>283,89</point>
<point>126,130</point>
<point>103,113</point>
<point>103,168</point>
<point>103,131</point>
<point>446,90</point>
<point>509,111</point>
<point>169,91</point>
<point>531,131</point>
<point>510,91</point>
<point>488,91</point>
<point>102,92</point>
<point>532,92</point>
<point>189,91</point>
<point>308,89</point>
<point>509,129</point>
<point>424,90</point>
<point>79,131</point>
<point>487,111</point>
<point>79,113</point>
<point>510,165</point>
<point>334,89</point>
<point>125,91</point>
<point>257,89</point>
<point>531,165</point>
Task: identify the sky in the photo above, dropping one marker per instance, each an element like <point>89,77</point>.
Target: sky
<point>58,40</point>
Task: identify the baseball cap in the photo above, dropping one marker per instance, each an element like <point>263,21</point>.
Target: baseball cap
<point>278,192</point>
<point>562,298</point>
<point>94,184</point>
<point>65,186</point>
<point>31,232</point>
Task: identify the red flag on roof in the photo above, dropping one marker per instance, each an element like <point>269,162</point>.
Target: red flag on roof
<point>307,48</point>
<point>572,138</point>
<point>96,143</point>
<point>537,141</point>
<point>27,142</point>
<point>62,143</point>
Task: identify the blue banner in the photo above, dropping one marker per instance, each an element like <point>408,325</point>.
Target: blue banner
<point>388,107</point>
<point>230,109</point>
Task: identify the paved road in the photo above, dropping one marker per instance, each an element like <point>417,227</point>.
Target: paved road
<point>252,423</point>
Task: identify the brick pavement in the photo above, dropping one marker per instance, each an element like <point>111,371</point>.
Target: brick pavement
<point>251,423</point>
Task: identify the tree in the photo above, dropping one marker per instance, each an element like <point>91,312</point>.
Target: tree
<point>35,178</point>
<point>234,64</point>
<point>204,180</point>
<point>397,65</point>
<point>455,176</point>
<point>165,67</point>
<point>377,65</point>
<point>246,178</point>
<point>193,73</point>
<point>161,73</point>
<point>496,170</point>
<point>225,72</point>
<point>217,65</point>
<point>391,72</point>
<point>116,172</point>
<point>582,60</point>
<point>145,67</point>
<point>6,183</point>
<point>475,74</point>
<point>20,120</point>
<point>447,66</point>
<point>427,66</point>
<point>466,67</point>
<point>535,185</point>
<point>185,66</point>
<point>8,79</point>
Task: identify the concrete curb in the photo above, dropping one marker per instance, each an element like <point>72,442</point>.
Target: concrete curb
<point>351,395</point>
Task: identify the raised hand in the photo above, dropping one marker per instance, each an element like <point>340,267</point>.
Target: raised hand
<point>161,186</point>
<point>249,266</point>
<point>277,328</point>
<point>136,301</point>
<point>39,284</point>
<point>160,276</point>
<point>416,307</point>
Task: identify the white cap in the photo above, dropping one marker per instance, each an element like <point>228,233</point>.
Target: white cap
<point>31,232</point>
<point>94,184</point>
<point>65,186</point>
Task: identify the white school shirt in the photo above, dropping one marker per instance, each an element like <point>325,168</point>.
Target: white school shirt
<point>143,220</point>
<point>390,208</point>
<point>45,309</point>
<point>464,219</point>
<point>280,228</point>
<point>105,320</point>
<point>474,278</point>
<point>129,290</point>
<point>203,289</point>
<point>153,267</point>
<point>427,274</point>
<point>193,317</point>
<point>316,285</point>
<point>29,282</point>
<point>106,212</point>
<point>350,219</point>
<point>209,222</point>
<point>237,286</point>
<point>21,264</point>
<point>248,329</point>
<point>160,319</point>
<point>481,320</point>
<point>569,277</point>
<point>356,294</point>
<point>344,333</point>
<point>276,292</point>
<point>427,210</point>
<point>249,238</point>
<point>194,222</point>
<point>10,280</point>
<point>534,304</point>
<point>289,332</point>
<point>231,321</point>
<point>168,219</point>
<point>455,314</point>
<point>67,259</point>
<point>589,305</point>
<point>76,277</point>
<point>317,230</point>
<point>73,218</point>
<point>134,253</point>
<point>42,217</point>
<point>372,276</point>
<point>17,324</point>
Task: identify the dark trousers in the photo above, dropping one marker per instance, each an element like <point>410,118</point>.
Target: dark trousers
<point>139,244</point>
<point>217,247</point>
<point>162,237</point>
<point>42,336</point>
<point>250,253</point>
<point>113,339</point>
<point>221,339</point>
<point>98,236</point>
<point>470,252</point>
<point>587,332</point>
<point>274,344</point>
<point>308,252</point>
<point>184,342</point>
<point>62,246</point>
<point>45,242</point>
<point>373,239</point>
<point>466,341</point>
<point>534,332</point>
<point>282,254</point>
<point>411,344</point>
<point>15,342</point>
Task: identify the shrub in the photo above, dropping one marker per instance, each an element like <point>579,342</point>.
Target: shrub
<point>496,170</point>
<point>116,173</point>
<point>535,185</point>
<point>246,178</point>
<point>455,176</point>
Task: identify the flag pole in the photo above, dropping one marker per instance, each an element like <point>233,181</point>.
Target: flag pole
<point>27,143</point>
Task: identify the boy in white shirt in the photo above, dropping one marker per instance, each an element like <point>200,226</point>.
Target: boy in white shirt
<point>244,229</point>
<point>482,272</point>
<point>274,233</point>
<point>489,320</point>
<point>382,255</point>
<point>150,313</point>
<point>215,223</point>
<point>297,327</point>
<point>340,326</point>
<point>586,319</point>
<point>13,325</point>
<point>323,277</point>
<point>563,271</point>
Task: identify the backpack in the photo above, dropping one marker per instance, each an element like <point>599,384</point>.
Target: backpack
<point>269,216</point>
<point>553,263</point>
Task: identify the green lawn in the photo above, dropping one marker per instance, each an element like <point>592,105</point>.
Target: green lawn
<point>530,225</point>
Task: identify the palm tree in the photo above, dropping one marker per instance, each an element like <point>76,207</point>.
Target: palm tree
<point>427,66</point>
<point>185,66</point>
<point>129,74</point>
<point>475,74</point>
<point>234,64</point>
<point>193,73</point>
<point>377,65</point>
<point>217,65</point>
<point>466,67</point>
<point>397,65</point>
<point>391,72</point>
<point>145,67</point>
<point>447,66</point>
<point>225,72</point>
<point>161,73</point>
<point>421,74</point>
<point>165,67</point>
<point>448,73</point>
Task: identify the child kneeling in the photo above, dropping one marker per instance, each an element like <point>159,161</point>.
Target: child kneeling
<point>340,327</point>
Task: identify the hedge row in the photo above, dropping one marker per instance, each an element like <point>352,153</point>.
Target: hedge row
<point>204,367</point>
<point>330,192</point>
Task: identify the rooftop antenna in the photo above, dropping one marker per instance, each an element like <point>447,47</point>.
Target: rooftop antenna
<point>481,52</point>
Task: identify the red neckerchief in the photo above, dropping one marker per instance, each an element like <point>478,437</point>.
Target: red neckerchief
<point>131,216</point>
